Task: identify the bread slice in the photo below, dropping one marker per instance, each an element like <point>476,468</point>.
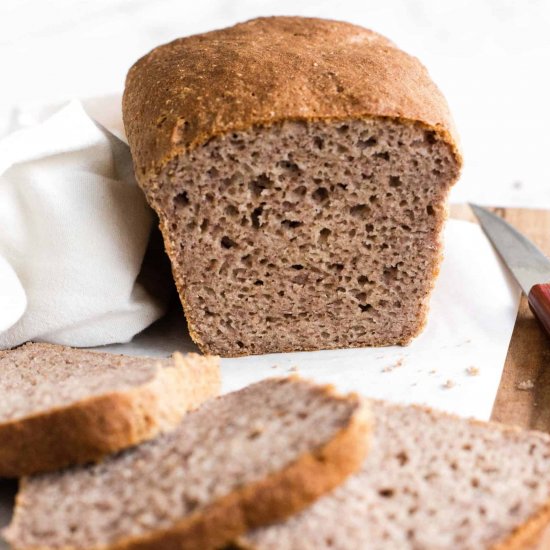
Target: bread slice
<point>300,169</point>
<point>430,482</point>
<point>239,461</point>
<point>63,406</point>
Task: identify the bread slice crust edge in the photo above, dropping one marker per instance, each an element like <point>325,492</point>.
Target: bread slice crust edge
<point>273,498</point>
<point>94,427</point>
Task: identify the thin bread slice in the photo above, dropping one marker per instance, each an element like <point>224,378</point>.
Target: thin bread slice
<point>431,482</point>
<point>237,462</point>
<point>62,406</point>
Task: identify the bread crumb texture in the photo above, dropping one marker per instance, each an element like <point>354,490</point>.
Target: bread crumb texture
<point>431,481</point>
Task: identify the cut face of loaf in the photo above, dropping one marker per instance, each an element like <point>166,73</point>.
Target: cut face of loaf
<point>239,461</point>
<point>63,406</point>
<point>430,482</point>
<point>307,235</point>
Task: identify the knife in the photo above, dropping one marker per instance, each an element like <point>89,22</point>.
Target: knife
<point>529,266</point>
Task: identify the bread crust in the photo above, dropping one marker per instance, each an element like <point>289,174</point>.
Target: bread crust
<point>100,425</point>
<point>269,70</point>
<point>529,535</point>
<point>274,498</point>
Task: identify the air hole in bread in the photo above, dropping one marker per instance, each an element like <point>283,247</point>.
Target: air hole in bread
<point>226,242</point>
<point>181,199</point>
<point>255,216</point>
<point>395,181</point>
<point>360,210</point>
<point>324,234</point>
<point>292,224</point>
<point>231,210</point>
<point>260,184</point>
<point>320,194</point>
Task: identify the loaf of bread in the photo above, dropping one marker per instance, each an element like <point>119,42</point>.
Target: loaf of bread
<point>61,406</point>
<point>300,169</point>
<point>430,482</point>
<point>239,461</point>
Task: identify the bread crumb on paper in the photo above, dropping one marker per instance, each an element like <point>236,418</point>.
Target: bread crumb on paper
<point>397,364</point>
<point>472,371</point>
<point>294,368</point>
<point>449,384</point>
<point>526,385</point>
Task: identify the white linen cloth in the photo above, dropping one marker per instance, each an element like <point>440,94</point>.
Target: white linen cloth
<point>73,235</point>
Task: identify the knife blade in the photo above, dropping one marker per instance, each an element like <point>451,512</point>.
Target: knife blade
<point>527,263</point>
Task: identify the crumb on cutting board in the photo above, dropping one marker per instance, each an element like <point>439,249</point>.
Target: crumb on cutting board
<point>526,385</point>
<point>472,371</point>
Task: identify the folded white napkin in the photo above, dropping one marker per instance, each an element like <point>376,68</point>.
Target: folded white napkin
<point>73,235</point>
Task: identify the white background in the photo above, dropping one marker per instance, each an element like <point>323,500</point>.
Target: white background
<point>491,58</point>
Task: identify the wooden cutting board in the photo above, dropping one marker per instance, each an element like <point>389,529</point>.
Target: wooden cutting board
<point>528,360</point>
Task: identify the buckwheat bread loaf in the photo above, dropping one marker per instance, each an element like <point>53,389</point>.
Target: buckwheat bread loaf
<point>239,461</point>
<point>430,482</point>
<point>63,406</point>
<point>300,169</point>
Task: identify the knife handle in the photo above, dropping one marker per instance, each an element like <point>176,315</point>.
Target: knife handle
<point>539,303</point>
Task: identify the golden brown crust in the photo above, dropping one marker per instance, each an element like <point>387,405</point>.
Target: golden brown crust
<point>265,71</point>
<point>528,535</point>
<point>274,498</point>
<point>95,427</point>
